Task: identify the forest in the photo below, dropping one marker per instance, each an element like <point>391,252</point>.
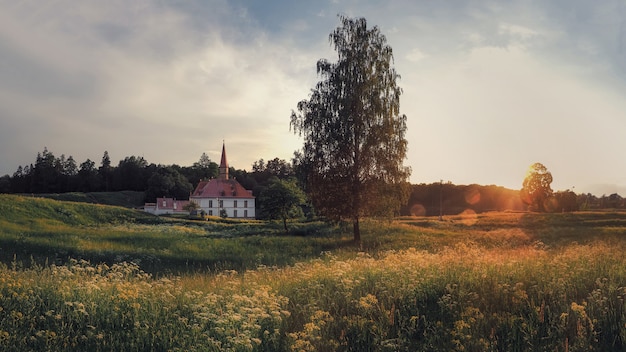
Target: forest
<point>52,174</point>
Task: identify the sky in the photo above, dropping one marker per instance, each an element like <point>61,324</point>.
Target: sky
<point>489,87</point>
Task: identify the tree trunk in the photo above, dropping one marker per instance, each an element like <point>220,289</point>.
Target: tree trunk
<point>285,223</point>
<point>357,230</point>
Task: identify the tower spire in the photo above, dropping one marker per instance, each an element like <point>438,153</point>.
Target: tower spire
<point>223,163</point>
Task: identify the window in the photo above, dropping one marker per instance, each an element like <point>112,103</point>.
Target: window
<point>221,203</point>
<point>210,212</point>
<point>164,203</point>
<point>175,204</point>
<point>211,203</point>
<point>245,213</point>
<point>245,204</point>
<point>235,204</point>
<point>235,213</point>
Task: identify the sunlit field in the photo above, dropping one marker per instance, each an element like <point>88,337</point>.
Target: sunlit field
<point>116,280</point>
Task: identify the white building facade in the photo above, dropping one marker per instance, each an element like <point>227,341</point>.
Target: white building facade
<point>223,194</point>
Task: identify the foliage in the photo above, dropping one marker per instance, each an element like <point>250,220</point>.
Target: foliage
<point>564,201</point>
<point>536,189</point>
<point>353,131</point>
<point>191,207</point>
<point>451,199</point>
<point>168,182</point>
<point>281,200</point>
<point>60,175</point>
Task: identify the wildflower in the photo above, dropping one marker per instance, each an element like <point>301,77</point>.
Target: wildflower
<point>368,302</point>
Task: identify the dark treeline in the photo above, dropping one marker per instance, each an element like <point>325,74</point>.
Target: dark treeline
<point>450,199</point>
<point>51,174</point>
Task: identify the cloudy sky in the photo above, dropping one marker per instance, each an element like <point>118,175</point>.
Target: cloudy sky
<point>490,87</point>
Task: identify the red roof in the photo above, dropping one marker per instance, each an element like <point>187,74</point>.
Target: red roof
<point>219,188</point>
<point>168,203</point>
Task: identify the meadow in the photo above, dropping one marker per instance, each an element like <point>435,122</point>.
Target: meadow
<point>89,277</point>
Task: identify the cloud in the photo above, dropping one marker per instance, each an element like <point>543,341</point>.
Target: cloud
<point>147,80</point>
<point>170,80</point>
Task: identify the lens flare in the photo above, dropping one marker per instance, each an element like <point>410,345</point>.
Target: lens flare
<point>418,210</point>
<point>472,196</point>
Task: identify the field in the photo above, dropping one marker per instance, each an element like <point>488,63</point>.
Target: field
<point>99,278</point>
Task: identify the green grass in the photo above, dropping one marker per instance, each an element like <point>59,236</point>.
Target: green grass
<point>486,282</point>
<point>49,231</point>
<point>128,199</point>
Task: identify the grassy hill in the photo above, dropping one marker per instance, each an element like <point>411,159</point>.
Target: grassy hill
<point>128,199</point>
<point>474,282</point>
<point>53,231</point>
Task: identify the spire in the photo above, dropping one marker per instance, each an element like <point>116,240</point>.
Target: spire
<point>223,164</point>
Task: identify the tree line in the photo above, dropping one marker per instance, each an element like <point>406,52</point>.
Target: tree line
<point>270,180</point>
<point>52,174</point>
<point>537,195</point>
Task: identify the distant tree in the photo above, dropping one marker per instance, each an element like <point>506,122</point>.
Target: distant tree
<point>46,174</point>
<point>70,167</point>
<point>281,200</point>
<point>586,201</point>
<point>88,178</point>
<point>258,166</point>
<point>191,206</point>
<point>5,184</point>
<point>106,172</point>
<point>565,201</point>
<point>354,142</point>
<point>203,169</point>
<point>130,174</point>
<point>168,182</point>
<point>536,187</point>
<point>263,171</point>
<point>20,182</point>
<point>613,201</point>
<point>279,168</point>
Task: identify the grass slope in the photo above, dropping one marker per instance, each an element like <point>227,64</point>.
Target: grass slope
<point>54,231</point>
<point>128,199</point>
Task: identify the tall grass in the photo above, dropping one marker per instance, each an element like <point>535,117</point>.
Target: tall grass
<point>82,307</point>
<point>462,298</point>
<point>488,282</point>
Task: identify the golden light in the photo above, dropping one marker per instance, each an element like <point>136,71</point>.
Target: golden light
<point>468,217</point>
<point>418,210</point>
<point>472,196</point>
